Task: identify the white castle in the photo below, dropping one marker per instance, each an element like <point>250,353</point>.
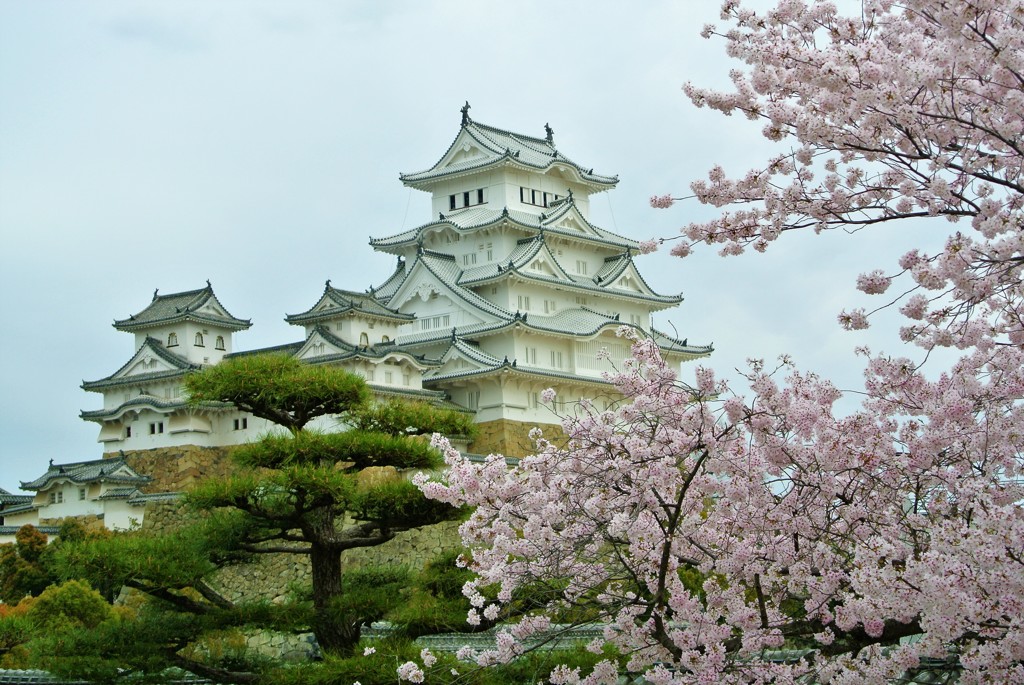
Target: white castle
<point>508,289</point>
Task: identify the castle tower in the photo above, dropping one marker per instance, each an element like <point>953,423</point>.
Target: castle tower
<point>512,287</point>
<point>143,405</point>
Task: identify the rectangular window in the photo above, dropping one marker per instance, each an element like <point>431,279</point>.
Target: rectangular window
<point>556,360</point>
<point>535,196</point>
<point>81,494</point>
<point>406,378</point>
<point>581,267</point>
<point>388,377</point>
<point>473,400</point>
<point>550,306</point>
<point>127,431</point>
<point>451,202</point>
<point>524,303</point>
<point>531,355</point>
<point>241,424</point>
<point>581,300</point>
<point>469,259</point>
<point>53,498</point>
<point>522,194</point>
<point>60,497</point>
<point>156,428</point>
<point>635,319</point>
<point>370,375</point>
<point>465,199</point>
<point>480,196</point>
<point>534,400</point>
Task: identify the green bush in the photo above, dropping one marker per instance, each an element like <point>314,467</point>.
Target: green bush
<point>73,604</point>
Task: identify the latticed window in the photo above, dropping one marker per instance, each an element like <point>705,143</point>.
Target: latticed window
<point>172,339</point>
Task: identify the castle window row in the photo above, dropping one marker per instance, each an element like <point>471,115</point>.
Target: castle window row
<point>428,323</point>
<point>467,199</point>
<point>538,198</point>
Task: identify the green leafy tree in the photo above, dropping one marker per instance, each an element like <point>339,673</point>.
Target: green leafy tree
<point>296,491</point>
<point>23,570</point>
<point>315,493</point>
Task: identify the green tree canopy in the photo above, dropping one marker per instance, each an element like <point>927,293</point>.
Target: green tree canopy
<point>297,490</point>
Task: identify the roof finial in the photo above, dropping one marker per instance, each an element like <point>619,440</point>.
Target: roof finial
<point>549,134</point>
<point>465,113</point>
<point>208,283</point>
<point>155,291</point>
<point>327,284</point>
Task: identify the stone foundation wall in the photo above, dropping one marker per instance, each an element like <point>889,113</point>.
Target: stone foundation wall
<point>178,468</point>
<point>268,576</point>
<point>91,522</point>
<point>511,438</point>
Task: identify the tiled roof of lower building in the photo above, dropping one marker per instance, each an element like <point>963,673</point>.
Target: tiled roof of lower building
<point>10,498</point>
<point>12,530</point>
<point>115,470</point>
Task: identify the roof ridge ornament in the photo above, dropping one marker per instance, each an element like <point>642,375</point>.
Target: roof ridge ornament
<point>155,291</point>
<point>549,133</point>
<point>208,283</point>
<point>465,114</point>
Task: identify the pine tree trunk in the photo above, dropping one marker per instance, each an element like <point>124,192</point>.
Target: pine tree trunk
<point>332,633</point>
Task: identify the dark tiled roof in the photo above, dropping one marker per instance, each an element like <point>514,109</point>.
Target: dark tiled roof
<point>11,530</point>
<point>528,248</point>
<point>10,498</point>
<point>142,401</point>
<point>286,348</point>
<point>142,498</point>
<point>470,220</point>
<point>20,508</point>
<point>101,470</point>
<point>348,351</point>
<point>335,303</point>
<point>121,492</point>
<point>179,367</point>
<point>505,147</point>
<point>193,305</point>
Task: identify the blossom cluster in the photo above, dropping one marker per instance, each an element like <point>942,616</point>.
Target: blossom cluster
<point>708,529</point>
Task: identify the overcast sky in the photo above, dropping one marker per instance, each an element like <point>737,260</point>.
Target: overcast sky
<point>258,145</point>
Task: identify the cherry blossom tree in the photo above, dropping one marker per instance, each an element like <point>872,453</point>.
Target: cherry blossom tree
<point>764,538</point>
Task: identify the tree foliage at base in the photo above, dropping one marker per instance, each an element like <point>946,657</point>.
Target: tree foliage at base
<point>297,491</point>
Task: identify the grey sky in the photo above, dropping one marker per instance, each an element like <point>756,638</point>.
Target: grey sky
<point>258,144</point>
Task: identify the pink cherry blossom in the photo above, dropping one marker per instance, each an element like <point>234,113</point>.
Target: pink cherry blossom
<point>706,528</point>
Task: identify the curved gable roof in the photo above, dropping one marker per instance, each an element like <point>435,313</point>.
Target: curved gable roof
<point>470,220</point>
<point>175,367</point>
<point>495,146</point>
<point>193,305</point>
<point>114,470</point>
<point>335,303</point>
